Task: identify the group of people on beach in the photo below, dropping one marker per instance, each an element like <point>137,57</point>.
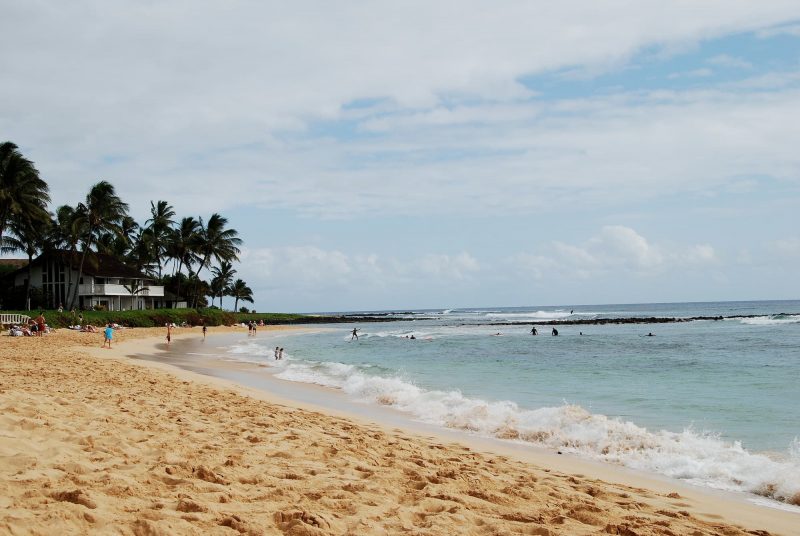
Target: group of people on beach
<point>35,327</point>
<point>252,325</point>
<point>278,353</point>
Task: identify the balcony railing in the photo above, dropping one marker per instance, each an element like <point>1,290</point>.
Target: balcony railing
<point>118,290</point>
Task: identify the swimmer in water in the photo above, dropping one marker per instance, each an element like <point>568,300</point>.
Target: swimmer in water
<point>555,332</point>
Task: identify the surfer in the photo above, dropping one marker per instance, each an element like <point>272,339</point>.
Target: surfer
<point>355,334</point>
<point>555,332</point>
<point>650,335</point>
<point>534,331</point>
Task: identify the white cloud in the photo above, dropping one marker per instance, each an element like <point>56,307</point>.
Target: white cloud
<point>694,73</point>
<point>786,247</point>
<point>725,60</point>
<point>614,249</point>
<point>215,105</point>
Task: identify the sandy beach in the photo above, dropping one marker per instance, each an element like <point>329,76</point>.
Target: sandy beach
<point>94,442</point>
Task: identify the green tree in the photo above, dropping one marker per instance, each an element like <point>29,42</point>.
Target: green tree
<point>29,235</point>
<point>103,211</point>
<point>160,225</point>
<point>22,191</point>
<point>223,277</point>
<point>215,241</point>
<point>180,247</point>
<point>65,234</point>
<point>240,291</point>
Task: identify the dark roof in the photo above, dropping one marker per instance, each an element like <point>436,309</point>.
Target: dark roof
<point>96,264</point>
<point>101,265</point>
<point>14,263</point>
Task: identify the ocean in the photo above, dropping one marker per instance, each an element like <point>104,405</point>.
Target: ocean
<point>710,402</point>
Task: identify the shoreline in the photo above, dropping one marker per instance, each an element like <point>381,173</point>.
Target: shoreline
<point>684,505</point>
<point>392,420</point>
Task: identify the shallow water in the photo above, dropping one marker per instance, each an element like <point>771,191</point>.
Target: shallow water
<point>711,402</point>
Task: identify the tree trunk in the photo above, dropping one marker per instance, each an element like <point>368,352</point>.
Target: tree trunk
<point>178,291</point>
<point>28,284</point>
<point>86,247</point>
<point>236,304</point>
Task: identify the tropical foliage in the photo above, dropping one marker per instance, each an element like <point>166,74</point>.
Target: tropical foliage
<point>174,251</point>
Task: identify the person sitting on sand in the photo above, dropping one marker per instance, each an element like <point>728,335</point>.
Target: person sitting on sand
<point>108,334</point>
<point>88,328</point>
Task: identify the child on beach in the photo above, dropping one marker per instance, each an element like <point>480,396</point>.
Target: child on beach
<point>109,334</point>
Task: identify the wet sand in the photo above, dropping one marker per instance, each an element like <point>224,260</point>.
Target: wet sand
<point>94,441</point>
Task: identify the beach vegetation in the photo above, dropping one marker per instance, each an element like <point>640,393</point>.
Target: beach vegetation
<point>101,224</point>
<point>23,194</point>
<point>240,291</point>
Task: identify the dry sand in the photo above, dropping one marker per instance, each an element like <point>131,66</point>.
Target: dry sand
<point>94,443</point>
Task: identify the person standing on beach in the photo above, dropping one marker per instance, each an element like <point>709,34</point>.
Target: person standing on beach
<point>254,328</point>
<point>204,331</point>
<point>276,353</point>
<point>40,324</point>
<point>355,334</point>
<point>108,334</point>
<point>249,328</point>
<point>280,353</point>
<point>169,332</point>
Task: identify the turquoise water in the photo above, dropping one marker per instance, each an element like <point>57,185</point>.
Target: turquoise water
<point>711,402</point>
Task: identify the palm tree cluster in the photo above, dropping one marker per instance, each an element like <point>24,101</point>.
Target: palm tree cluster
<point>173,252</point>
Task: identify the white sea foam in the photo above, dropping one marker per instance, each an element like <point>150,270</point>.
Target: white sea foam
<point>689,455</point>
<point>536,315</point>
<point>771,320</point>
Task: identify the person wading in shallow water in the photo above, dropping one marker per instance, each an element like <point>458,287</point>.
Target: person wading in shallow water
<point>534,331</point>
<point>555,332</point>
<point>355,334</point>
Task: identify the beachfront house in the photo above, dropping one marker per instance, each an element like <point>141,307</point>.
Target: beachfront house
<point>105,283</point>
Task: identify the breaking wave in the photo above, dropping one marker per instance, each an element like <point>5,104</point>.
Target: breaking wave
<point>771,320</point>
<point>690,455</point>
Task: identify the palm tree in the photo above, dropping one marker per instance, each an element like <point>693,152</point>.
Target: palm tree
<point>216,241</point>
<point>142,253</point>
<point>66,234</point>
<point>30,236</point>
<point>180,245</point>
<point>160,225</point>
<point>22,192</point>
<point>223,276</point>
<point>240,291</point>
<point>103,211</point>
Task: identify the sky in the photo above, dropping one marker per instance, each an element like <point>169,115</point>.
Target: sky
<point>396,155</point>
